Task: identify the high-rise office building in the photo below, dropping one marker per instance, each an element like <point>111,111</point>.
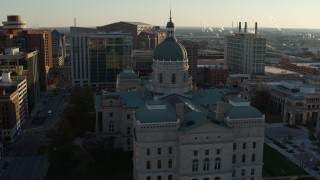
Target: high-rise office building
<point>58,48</point>
<point>245,52</point>
<point>192,51</point>
<point>13,35</point>
<point>14,106</point>
<point>97,58</point>
<point>144,36</point>
<point>23,64</point>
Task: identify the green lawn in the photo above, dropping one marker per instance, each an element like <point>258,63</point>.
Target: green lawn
<point>278,165</point>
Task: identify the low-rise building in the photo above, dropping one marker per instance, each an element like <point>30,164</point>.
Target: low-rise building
<point>298,102</point>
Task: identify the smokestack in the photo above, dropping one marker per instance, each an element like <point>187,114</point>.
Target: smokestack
<point>75,22</point>
<point>232,25</point>
<point>239,27</point>
<point>245,27</point>
<point>256,28</point>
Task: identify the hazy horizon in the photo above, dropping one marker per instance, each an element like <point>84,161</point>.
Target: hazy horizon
<point>185,13</point>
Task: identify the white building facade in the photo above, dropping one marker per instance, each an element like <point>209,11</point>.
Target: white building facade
<point>245,53</point>
<point>177,133</point>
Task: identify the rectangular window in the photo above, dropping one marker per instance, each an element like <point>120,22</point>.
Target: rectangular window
<point>234,146</point>
<point>128,116</point>
<point>244,145</point>
<point>170,150</point>
<point>148,178</point>
<point>243,158</point>
<point>159,177</point>
<point>148,151</point>
<point>111,114</point>
<point>252,171</point>
<point>159,151</point>
<point>253,158</point>
<point>207,152</point>
<point>218,151</point>
<point>254,145</point>
<point>234,173</point>
<point>195,153</point>
<point>169,177</point>
<point>234,159</point>
<point>243,172</point>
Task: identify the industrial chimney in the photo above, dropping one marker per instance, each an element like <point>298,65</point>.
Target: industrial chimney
<point>245,27</point>
<point>256,28</point>
<point>239,27</point>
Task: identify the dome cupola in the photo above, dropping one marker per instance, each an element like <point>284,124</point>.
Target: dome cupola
<point>170,49</point>
<point>170,66</point>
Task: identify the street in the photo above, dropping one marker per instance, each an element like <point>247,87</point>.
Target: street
<point>24,161</point>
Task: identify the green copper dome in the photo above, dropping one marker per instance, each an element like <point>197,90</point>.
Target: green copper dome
<point>170,50</point>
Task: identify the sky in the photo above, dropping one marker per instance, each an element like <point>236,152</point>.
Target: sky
<point>198,13</point>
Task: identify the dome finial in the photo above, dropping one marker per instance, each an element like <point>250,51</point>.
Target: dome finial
<point>170,12</point>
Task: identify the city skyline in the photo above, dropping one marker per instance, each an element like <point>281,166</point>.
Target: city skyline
<point>207,13</point>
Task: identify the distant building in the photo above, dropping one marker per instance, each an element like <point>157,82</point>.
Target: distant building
<point>28,40</point>
<point>286,64</point>
<point>144,36</point>
<point>298,103</point>
<point>192,52</point>
<point>97,57</point>
<point>179,133</point>
<point>141,62</point>
<point>24,64</point>
<point>212,76</point>
<point>58,48</point>
<point>14,103</point>
<point>245,52</point>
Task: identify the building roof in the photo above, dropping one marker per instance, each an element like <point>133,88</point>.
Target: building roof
<point>145,115</point>
<point>128,73</point>
<point>193,120</point>
<point>296,97</point>
<point>242,112</point>
<point>170,50</point>
<point>209,96</point>
<point>136,23</point>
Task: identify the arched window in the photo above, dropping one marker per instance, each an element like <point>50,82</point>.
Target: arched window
<point>206,164</point>
<point>173,78</point>
<point>195,163</point>
<point>160,78</point>
<point>217,164</point>
<point>111,126</point>
<point>170,163</point>
<point>148,165</point>
<point>159,164</point>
